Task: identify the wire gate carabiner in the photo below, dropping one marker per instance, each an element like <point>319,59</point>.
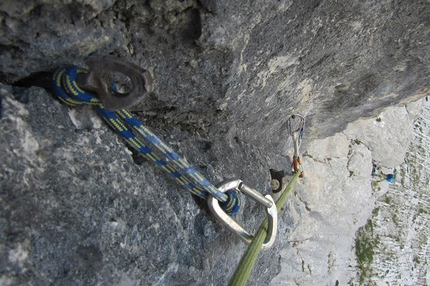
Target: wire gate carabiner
<point>296,127</point>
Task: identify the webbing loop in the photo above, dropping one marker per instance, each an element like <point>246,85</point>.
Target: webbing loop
<point>139,136</point>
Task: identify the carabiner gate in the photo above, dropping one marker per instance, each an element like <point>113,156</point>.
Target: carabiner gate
<point>267,201</point>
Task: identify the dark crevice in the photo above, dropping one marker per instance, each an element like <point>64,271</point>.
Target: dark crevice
<point>42,79</point>
<point>208,8</point>
<point>193,29</point>
<point>205,146</point>
<point>203,205</point>
<point>10,49</point>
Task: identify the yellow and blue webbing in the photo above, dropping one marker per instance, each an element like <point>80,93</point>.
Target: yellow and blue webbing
<point>136,133</point>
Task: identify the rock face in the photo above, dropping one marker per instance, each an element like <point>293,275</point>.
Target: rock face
<point>395,238</point>
<point>249,62</point>
<point>337,197</point>
<point>227,74</point>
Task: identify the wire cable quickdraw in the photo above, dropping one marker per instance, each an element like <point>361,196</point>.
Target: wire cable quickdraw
<point>296,127</point>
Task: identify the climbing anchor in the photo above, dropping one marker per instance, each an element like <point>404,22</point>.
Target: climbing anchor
<point>99,80</point>
<point>76,86</point>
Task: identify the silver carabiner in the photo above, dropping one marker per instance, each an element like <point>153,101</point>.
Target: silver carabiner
<point>267,201</point>
<point>296,129</point>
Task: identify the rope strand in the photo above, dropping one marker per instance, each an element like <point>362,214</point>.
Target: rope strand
<point>243,270</point>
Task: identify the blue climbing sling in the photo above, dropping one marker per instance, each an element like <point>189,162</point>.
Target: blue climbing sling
<point>136,133</point>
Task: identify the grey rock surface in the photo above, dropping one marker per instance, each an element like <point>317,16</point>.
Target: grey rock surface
<point>243,62</point>
<point>338,197</point>
<point>77,208</point>
<point>397,233</point>
<point>227,74</point>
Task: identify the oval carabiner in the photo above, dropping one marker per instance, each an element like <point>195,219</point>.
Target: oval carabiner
<point>267,201</point>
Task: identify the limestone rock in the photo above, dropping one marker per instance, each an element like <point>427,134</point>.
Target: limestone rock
<point>336,198</point>
<point>389,126</point>
<point>227,75</point>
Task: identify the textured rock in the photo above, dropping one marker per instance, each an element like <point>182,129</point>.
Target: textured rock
<point>398,229</point>
<point>388,126</point>
<point>248,63</point>
<point>73,198</point>
<point>227,74</point>
<point>336,198</point>
<point>332,201</point>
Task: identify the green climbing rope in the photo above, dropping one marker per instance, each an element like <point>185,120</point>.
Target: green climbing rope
<point>240,276</point>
